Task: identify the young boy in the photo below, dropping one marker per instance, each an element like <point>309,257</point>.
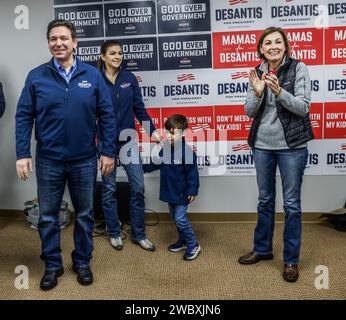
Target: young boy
<point>179,182</point>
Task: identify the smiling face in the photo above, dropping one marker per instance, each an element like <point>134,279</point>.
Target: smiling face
<point>273,47</point>
<point>113,57</point>
<point>61,44</point>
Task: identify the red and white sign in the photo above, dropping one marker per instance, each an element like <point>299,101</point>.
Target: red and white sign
<point>335,45</point>
<point>201,121</point>
<point>155,114</point>
<point>232,123</point>
<point>235,49</point>
<point>334,120</point>
<point>316,119</point>
<point>306,45</point>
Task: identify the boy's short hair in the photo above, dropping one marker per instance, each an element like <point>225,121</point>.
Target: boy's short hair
<point>176,121</point>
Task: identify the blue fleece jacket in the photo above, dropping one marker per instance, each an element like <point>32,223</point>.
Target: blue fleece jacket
<point>178,173</point>
<point>127,100</point>
<point>2,101</point>
<point>65,114</point>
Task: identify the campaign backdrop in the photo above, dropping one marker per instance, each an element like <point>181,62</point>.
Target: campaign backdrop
<point>193,57</point>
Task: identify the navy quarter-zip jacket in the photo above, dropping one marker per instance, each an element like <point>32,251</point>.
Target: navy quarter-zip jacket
<point>128,102</point>
<point>65,114</point>
<point>178,173</point>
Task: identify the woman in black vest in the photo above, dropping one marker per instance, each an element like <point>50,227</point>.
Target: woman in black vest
<point>278,100</point>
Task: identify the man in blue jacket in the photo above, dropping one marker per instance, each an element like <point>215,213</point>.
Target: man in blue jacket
<point>2,101</point>
<point>64,97</point>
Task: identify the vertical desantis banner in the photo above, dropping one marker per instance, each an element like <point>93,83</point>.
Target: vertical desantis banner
<point>193,57</point>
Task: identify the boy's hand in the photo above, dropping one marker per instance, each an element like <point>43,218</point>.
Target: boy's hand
<point>191,198</point>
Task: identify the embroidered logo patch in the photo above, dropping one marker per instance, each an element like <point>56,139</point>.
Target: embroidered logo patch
<point>125,85</point>
<point>84,84</point>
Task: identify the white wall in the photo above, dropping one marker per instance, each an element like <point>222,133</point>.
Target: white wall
<point>22,50</point>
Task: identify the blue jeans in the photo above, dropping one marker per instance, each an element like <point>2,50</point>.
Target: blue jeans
<point>178,213</point>
<point>51,178</point>
<point>291,164</point>
<point>134,171</point>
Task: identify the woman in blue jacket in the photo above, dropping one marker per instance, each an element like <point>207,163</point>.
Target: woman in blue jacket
<point>128,104</point>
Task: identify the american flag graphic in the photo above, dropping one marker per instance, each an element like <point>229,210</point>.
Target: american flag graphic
<point>240,147</point>
<point>140,148</point>
<point>343,146</point>
<point>238,75</point>
<point>185,77</point>
<point>139,78</point>
<point>201,126</point>
<point>314,124</point>
<point>247,126</point>
<point>344,72</point>
<point>234,2</point>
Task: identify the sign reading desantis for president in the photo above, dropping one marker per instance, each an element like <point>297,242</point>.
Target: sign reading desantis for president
<point>335,83</point>
<point>89,51</point>
<point>183,16</point>
<point>336,12</point>
<point>228,15</point>
<point>231,85</point>
<point>149,82</point>
<point>185,88</point>
<point>140,54</point>
<point>334,156</point>
<point>316,77</point>
<point>294,13</point>
<point>88,20</point>
<point>306,45</point>
<point>235,49</point>
<point>130,18</point>
<point>185,52</point>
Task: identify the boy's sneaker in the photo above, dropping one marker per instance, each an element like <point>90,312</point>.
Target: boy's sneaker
<point>116,243</point>
<point>145,244</point>
<point>178,246</point>
<point>192,253</point>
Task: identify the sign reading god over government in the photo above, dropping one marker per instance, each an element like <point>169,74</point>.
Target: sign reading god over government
<point>132,18</point>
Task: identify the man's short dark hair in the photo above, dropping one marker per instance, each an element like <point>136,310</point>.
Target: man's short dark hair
<point>61,23</point>
<point>176,121</point>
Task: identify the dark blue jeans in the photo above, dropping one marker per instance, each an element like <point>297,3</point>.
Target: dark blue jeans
<point>178,213</point>
<point>291,163</point>
<point>51,180</point>
<point>134,171</point>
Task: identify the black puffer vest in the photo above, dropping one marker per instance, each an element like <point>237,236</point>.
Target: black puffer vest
<point>297,129</point>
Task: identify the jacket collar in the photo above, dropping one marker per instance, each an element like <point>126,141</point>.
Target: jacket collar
<point>81,66</point>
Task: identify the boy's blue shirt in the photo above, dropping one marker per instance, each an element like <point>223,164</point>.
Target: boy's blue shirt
<point>178,179</point>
